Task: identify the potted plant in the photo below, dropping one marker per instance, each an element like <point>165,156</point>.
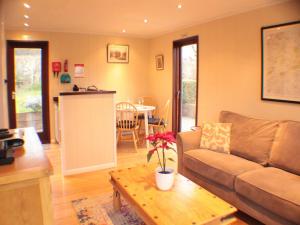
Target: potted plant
<point>162,142</point>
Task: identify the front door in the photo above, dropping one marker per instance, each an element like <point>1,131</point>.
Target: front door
<point>27,82</point>
<point>185,86</point>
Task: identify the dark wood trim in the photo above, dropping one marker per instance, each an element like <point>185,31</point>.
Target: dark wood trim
<point>44,45</point>
<point>87,93</point>
<point>186,41</point>
<point>177,44</point>
<point>10,85</point>
<point>262,62</point>
<point>176,88</point>
<point>55,99</point>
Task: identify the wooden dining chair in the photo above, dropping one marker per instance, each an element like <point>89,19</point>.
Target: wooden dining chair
<point>127,121</point>
<point>159,124</point>
<point>147,100</point>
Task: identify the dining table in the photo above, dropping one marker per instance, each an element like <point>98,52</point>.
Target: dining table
<point>146,110</point>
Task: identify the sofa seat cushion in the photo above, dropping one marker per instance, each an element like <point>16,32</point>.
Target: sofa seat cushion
<point>219,167</point>
<point>274,189</point>
<point>250,138</point>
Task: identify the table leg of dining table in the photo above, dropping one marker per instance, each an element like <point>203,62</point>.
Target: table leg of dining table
<point>146,128</point>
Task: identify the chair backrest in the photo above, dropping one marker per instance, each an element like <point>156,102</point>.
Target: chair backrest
<point>127,116</point>
<point>164,113</point>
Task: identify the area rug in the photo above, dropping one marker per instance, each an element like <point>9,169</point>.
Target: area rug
<point>99,211</point>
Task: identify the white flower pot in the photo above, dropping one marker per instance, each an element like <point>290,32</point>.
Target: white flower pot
<point>164,181</point>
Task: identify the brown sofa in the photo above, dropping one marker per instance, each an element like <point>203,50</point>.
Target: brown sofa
<point>260,177</point>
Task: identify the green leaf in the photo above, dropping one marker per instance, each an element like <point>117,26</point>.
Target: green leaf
<point>171,159</point>
<point>173,149</point>
<point>149,155</point>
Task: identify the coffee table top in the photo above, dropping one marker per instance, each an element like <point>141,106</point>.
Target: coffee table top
<point>185,203</point>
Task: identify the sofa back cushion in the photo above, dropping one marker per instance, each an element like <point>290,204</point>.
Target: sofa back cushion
<point>285,153</point>
<point>250,138</point>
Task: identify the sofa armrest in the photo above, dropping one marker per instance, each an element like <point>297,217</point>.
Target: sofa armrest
<point>186,141</point>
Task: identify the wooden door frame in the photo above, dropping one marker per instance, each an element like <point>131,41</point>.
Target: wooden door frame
<point>176,115</point>
<point>44,45</point>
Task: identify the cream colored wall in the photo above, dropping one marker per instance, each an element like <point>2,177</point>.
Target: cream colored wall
<point>229,64</point>
<point>129,80</point>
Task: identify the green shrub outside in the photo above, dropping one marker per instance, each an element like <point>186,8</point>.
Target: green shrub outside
<point>189,91</point>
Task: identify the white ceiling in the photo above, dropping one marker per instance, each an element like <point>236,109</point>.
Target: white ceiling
<point>112,16</point>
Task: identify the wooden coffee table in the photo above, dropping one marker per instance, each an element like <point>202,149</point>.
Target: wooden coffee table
<point>185,203</point>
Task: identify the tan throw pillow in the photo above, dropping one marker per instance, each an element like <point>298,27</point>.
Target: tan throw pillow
<point>216,137</point>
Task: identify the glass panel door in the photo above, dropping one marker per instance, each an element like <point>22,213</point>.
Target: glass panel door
<point>28,88</point>
<point>188,86</point>
<point>185,84</point>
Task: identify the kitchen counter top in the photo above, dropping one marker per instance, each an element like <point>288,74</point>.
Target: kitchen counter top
<point>30,160</point>
<point>86,92</point>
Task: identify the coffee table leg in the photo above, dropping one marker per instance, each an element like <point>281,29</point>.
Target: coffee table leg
<point>116,200</point>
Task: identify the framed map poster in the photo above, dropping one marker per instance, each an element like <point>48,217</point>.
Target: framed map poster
<point>281,62</point>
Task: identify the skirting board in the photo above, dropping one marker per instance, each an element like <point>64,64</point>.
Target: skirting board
<point>89,169</point>
<point>53,141</point>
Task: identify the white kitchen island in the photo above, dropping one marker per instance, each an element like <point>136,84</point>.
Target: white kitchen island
<point>88,131</point>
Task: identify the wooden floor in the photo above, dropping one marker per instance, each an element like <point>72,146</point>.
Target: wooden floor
<point>66,189</point>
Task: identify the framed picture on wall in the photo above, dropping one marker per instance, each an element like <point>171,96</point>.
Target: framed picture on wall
<point>79,70</point>
<point>280,62</point>
<point>117,53</point>
<point>159,60</point>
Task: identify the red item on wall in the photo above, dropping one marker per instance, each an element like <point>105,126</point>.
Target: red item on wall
<point>66,66</point>
<point>56,68</point>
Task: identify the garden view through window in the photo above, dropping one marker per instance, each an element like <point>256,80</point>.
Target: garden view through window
<point>28,87</point>
<point>188,86</point>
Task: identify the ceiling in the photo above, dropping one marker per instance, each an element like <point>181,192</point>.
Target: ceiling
<point>110,17</point>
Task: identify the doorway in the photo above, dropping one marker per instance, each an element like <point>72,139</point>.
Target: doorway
<point>185,84</point>
<point>27,85</point>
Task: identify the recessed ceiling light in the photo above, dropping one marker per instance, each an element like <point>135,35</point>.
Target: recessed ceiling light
<point>26,5</point>
<point>145,20</point>
<point>26,16</point>
<point>26,37</point>
<point>26,24</point>
<point>179,6</point>
<point>124,31</point>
